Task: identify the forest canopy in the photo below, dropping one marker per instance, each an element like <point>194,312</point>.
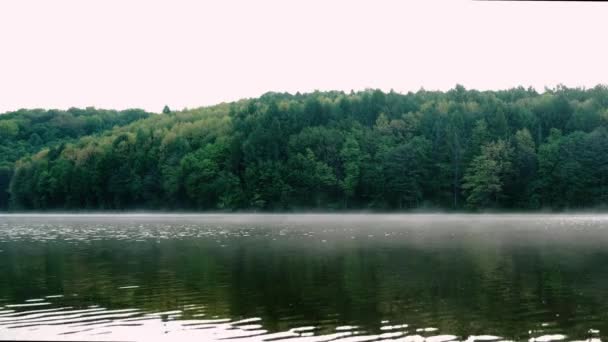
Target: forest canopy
<point>462,149</point>
<point>25,132</point>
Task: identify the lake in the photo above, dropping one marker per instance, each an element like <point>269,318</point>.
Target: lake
<point>350,277</point>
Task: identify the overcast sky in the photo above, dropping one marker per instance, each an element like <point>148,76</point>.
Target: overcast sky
<point>124,54</point>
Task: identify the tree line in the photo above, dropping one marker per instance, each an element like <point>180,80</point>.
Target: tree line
<point>25,132</point>
<point>513,149</point>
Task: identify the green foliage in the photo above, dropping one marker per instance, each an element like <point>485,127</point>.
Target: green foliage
<point>511,149</point>
<point>405,172</point>
<point>351,159</point>
<point>8,130</point>
<point>485,177</point>
<point>25,132</point>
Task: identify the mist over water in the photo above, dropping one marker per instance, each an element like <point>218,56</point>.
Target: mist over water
<point>311,277</point>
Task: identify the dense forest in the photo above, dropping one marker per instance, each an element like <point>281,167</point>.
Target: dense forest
<point>27,131</point>
<point>457,150</point>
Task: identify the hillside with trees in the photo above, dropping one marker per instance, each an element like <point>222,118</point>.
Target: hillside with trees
<point>462,149</point>
<point>27,131</point>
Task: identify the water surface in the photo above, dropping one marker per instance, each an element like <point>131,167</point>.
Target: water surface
<point>303,277</point>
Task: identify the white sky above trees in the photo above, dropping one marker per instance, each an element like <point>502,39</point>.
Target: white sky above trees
<point>142,53</point>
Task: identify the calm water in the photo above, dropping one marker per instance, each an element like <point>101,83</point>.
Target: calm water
<point>304,277</point>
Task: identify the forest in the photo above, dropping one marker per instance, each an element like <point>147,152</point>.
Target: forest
<point>25,132</point>
<point>515,149</point>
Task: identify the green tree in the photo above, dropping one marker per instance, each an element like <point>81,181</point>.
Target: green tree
<point>525,163</point>
<point>8,130</point>
<point>485,176</point>
<point>405,169</point>
<point>310,178</point>
<point>351,160</point>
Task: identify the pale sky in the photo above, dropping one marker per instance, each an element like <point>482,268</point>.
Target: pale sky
<point>145,54</point>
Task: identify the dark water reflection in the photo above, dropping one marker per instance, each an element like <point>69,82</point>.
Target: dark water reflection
<point>304,277</point>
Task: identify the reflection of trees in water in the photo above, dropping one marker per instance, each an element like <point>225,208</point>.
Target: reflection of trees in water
<point>465,289</point>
